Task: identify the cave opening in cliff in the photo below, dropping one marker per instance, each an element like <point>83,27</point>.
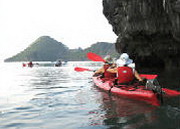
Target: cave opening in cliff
<point>151,61</point>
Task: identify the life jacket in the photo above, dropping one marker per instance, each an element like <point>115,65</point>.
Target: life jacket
<point>125,74</point>
<point>107,74</point>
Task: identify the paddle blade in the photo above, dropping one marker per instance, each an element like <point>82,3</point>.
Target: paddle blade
<point>79,69</point>
<point>94,57</point>
<point>149,76</point>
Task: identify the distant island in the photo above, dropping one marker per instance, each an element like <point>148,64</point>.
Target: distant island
<point>46,48</point>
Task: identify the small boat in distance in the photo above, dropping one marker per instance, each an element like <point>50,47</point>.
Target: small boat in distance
<point>58,63</point>
<point>30,64</point>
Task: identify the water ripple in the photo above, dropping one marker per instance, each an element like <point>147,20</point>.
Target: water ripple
<point>53,98</point>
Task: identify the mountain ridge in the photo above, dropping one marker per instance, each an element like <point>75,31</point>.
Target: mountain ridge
<point>46,48</point>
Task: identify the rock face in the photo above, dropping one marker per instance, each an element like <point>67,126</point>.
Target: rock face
<point>149,30</point>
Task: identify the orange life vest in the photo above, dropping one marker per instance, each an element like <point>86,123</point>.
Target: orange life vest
<point>125,74</point>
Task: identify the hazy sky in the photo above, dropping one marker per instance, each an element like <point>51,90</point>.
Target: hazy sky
<point>75,23</point>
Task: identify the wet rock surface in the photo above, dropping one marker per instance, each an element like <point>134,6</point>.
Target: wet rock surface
<point>149,30</point>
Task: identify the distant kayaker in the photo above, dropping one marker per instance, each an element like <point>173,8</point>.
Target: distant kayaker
<point>23,64</point>
<point>107,65</point>
<point>58,63</point>
<point>30,64</point>
<point>125,70</point>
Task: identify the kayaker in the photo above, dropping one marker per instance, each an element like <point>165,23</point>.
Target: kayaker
<point>30,64</point>
<point>125,70</point>
<point>109,64</point>
<point>23,64</point>
<point>58,63</point>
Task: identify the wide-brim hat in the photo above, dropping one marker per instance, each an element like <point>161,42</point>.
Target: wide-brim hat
<point>124,60</point>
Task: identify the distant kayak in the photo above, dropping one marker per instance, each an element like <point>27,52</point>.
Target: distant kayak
<point>30,64</point>
<point>58,63</point>
<point>137,92</point>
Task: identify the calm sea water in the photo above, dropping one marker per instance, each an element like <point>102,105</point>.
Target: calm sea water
<point>47,97</point>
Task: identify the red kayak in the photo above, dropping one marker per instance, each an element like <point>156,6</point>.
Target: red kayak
<point>149,93</point>
<point>137,92</point>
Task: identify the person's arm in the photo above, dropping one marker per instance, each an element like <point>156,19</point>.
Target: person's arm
<point>112,70</point>
<point>98,72</point>
<point>101,70</point>
<point>137,76</point>
<point>113,66</point>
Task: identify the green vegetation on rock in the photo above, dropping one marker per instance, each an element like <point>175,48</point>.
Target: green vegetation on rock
<point>46,48</point>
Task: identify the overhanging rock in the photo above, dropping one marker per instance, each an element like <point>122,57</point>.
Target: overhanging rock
<point>148,30</point>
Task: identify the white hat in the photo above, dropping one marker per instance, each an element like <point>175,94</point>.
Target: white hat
<point>124,60</point>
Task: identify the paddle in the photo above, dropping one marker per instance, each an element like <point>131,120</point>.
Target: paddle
<point>94,57</point>
<point>79,69</point>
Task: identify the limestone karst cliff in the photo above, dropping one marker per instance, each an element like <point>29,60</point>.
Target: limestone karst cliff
<point>149,30</point>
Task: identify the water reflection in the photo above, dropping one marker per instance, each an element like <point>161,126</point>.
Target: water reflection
<point>123,113</point>
<point>173,112</point>
<point>52,98</point>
